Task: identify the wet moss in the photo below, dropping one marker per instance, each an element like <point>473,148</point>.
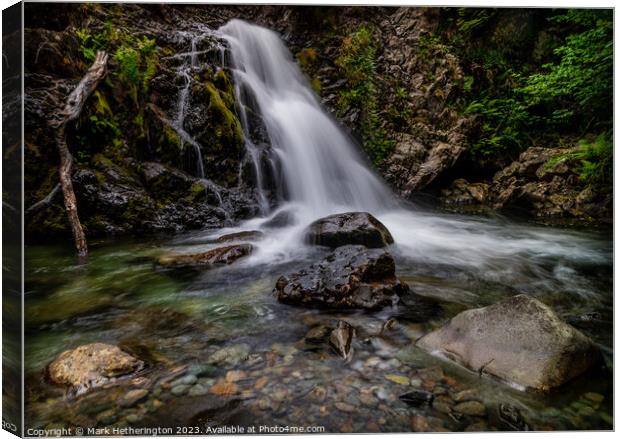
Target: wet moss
<point>227,128</point>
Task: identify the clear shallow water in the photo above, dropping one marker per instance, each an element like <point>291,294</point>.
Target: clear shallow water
<point>178,321</point>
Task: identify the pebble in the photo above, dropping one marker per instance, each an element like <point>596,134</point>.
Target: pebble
<point>415,382</point>
<point>179,390</point>
<point>442,407</point>
<point>260,383</point>
<point>472,408</point>
<point>133,397</point>
<point>107,417</point>
<point>224,389</point>
<point>187,380</point>
<point>233,376</point>
<point>198,390</point>
<point>594,397</point>
<point>133,418</point>
<point>367,399</point>
<point>344,407</point>
<point>398,379</point>
<point>372,361</point>
<point>477,426</point>
<point>264,404</point>
<point>466,395</point>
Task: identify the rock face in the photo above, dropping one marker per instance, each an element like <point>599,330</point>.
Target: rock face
<point>91,365</point>
<point>519,340</point>
<point>535,186</point>
<point>217,256</point>
<point>355,228</point>
<point>350,277</point>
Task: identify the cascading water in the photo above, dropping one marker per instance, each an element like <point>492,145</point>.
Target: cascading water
<point>323,173</point>
<point>322,170</point>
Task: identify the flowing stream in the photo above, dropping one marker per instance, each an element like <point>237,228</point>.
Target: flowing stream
<point>205,325</point>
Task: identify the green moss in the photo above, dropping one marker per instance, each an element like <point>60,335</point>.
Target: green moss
<point>357,62</point>
<point>226,125</point>
<point>197,192</point>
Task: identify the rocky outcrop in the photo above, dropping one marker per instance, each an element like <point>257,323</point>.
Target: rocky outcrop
<point>519,340</point>
<point>537,184</point>
<point>92,365</point>
<point>218,256</point>
<point>350,277</point>
<point>352,228</point>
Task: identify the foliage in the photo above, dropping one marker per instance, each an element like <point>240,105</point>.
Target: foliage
<point>357,60</point>
<point>518,102</point>
<point>579,87</point>
<point>137,61</point>
<point>593,160</point>
<point>90,43</point>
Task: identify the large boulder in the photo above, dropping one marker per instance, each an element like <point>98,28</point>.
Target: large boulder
<point>350,277</point>
<point>217,256</point>
<point>519,340</point>
<point>92,365</point>
<point>355,228</point>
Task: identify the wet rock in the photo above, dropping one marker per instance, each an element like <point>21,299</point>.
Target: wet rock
<point>250,235</point>
<point>350,277</point>
<point>180,389</point>
<point>417,398</point>
<point>91,366</point>
<point>232,376</point>
<point>398,379</point>
<point>471,408</point>
<point>133,397</point>
<point>340,339</point>
<point>224,389</point>
<point>231,355</point>
<point>218,256</point>
<point>519,340</point>
<point>198,390</point>
<point>317,335</point>
<point>353,228</point>
<point>344,407</point>
<point>510,416</point>
<point>162,178</point>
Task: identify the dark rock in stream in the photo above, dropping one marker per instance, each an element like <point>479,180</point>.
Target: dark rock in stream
<point>356,228</point>
<point>340,339</point>
<point>350,277</point>
<point>92,365</point>
<point>218,256</point>
<point>417,398</point>
<point>519,340</point>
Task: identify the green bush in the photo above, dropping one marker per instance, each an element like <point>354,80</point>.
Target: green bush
<point>357,61</point>
<point>593,161</point>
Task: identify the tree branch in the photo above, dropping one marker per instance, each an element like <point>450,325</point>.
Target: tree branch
<point>71,111</point>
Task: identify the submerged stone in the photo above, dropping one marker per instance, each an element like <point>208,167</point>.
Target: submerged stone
<point>519,340</point>
<point>217,256</point>
<point>352,228</point>
<point>91,366</point>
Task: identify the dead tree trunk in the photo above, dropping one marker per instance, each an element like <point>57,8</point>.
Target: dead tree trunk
<point>71,111</point>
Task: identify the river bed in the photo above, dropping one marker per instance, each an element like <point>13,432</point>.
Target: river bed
<point>220,350</point>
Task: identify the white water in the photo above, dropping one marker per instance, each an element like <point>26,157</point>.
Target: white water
<point>323,174</point>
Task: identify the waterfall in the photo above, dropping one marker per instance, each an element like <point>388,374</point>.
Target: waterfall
<point>189,63</point>
<point>322,170</point>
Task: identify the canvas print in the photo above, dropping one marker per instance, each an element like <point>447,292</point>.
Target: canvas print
<point>307,219</point>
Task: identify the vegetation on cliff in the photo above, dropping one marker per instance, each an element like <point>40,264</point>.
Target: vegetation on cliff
<point>545,77</point>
